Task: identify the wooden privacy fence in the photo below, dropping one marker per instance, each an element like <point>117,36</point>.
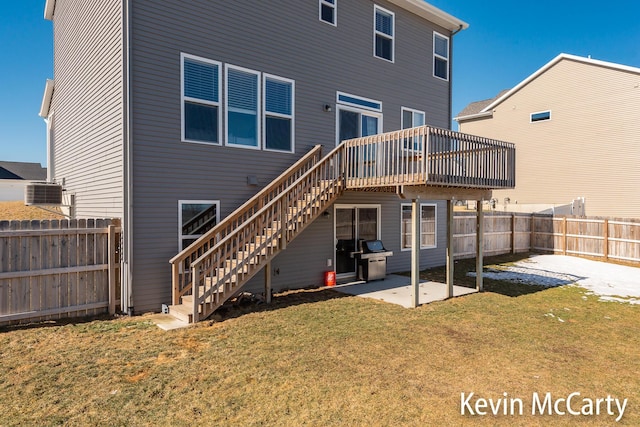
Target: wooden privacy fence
<point>55,269</point>
<point>609,239</point>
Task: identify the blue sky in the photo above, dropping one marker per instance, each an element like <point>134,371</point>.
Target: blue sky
<point>507,41</point>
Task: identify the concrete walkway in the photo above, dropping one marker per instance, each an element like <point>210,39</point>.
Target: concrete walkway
<point>396,289</point>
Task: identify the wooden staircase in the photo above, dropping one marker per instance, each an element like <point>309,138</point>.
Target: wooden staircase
<point>216,266</point>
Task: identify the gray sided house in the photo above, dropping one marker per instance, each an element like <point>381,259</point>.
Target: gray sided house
<point>171,115</point>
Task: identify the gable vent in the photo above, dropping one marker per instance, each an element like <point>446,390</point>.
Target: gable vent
<point>40,193</point>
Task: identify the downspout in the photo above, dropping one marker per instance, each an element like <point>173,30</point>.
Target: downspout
<point>127,222</point>
<point>451,74</point>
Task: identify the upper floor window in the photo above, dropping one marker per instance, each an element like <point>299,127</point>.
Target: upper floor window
<point>278,113</point>
<point>242,105</point>
<point>412,118</point>
<point>440,56</point>
<point>383,37</point>
<point>200,100</point>
<point>328,11</point>
<point>540,116</point>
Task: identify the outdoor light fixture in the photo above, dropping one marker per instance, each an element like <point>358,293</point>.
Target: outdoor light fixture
<point>327,108</point>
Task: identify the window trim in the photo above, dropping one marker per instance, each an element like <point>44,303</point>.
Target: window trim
<point>435,55</point>
<point>333,6</point>
<point>435,210</point>
<point>542,119</point>
<point>377,8</point>
<point>258,74</point>
<point>292,117</point>
<point>362,106</point>
<point>181,236</point>
<point>184,99</point>
<point>413,111</point>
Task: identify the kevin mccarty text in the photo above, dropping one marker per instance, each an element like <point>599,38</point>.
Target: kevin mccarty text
<point>573,404</point>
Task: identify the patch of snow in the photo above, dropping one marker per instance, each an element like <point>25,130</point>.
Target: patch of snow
<point>611,281</point>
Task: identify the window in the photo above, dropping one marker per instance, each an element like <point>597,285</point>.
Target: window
<point>242,103</point>
<point>328,10</point>
<point>357,117</point>
<point>383,34</point>
<point>542,115</point>
<point>440,56</point>
<point>412,118</point>
<point>278,113</point>
<point>427,226</point>
<point>195,218</point>
<point>200,99</point>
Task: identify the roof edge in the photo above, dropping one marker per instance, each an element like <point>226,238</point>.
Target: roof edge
<point>473,116</point>
<point>432,13</point>
<point>46,99</point>
<point>49,6</point>
<point>550,64</point>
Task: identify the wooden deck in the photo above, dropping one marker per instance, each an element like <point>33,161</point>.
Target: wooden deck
<point>408,162</point>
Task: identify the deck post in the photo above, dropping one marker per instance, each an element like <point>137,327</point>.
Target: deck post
<point>267,283</point>
<point>450,249</point>
<point>415,252</point>
<point>479,244</point>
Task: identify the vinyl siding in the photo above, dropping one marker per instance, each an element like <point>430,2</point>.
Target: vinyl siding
<point>286,40</point>
<point>88,104</point>
<point>590,148</point>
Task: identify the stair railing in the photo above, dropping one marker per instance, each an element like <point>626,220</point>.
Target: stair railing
<point>181,263</point>
<point>231,261</point>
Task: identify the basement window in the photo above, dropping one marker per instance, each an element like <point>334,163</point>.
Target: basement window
<point>195,218</point>
<point>540,116</point>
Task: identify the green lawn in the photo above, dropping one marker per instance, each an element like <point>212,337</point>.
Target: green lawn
<point>320,358</point>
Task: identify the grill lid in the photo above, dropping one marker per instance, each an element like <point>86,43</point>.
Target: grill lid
<point>369,246</point>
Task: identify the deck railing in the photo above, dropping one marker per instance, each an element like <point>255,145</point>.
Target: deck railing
<point>429,156</point>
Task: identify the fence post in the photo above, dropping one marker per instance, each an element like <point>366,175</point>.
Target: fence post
<point>513,233</point>
<point>564,235</point>
<point>112,269</point>
<point>605,243</point>
<point>532,233</point>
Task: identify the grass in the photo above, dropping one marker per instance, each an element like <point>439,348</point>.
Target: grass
<point>18,211</point>
<point>317,357</point>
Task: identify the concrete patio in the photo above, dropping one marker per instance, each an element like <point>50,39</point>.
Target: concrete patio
<point>396,289</point>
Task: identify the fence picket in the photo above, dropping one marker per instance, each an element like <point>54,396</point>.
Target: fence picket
<point>42,264</point>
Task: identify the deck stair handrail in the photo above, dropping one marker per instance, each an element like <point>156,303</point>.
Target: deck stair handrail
<point>181,262</point>
<point>232,259</point>
<point>217,265</point>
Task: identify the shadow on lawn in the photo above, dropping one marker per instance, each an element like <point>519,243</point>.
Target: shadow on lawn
<point>503,287</point>
<point>250,304</point>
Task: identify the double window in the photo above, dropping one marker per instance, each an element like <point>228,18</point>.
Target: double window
<point>258,107</point>
<point>328,11</point>
<point>427,226</point>
<point>440,56</point>
<point>383,34</point>
<point>412,118</point>
<point>357,116</point>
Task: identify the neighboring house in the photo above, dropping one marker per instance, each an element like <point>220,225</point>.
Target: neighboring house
<point>14,176</point>
<point>575,125</point>
<point>171,115</point>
